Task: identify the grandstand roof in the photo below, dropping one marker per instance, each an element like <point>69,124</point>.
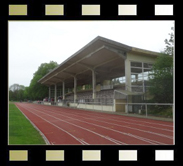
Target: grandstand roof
<point>103,55</point>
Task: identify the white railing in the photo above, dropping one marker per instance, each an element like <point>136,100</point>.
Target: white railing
<point>149,109</point>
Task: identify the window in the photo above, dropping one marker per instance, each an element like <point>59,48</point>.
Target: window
<point>140,72</point>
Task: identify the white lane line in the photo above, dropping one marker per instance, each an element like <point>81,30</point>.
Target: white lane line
<point>132,123</point>
<point>85,143</point>
<point>162,135</point>
<point>122,121</point>
<point>121,118</point>
<point>127,118</point>
<point>128,134</point>
<point>135,136</point>
<point>144,122</point>
<point>122,143</point>
<point>57,127</point>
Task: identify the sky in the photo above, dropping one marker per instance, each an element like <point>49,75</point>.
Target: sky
<point>32,43</point>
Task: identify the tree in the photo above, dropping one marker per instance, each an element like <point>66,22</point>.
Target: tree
<point>161,79</point>
<point>169,43</point>
<point>16,87</point>
<point>16,92</point>
<point>37,90</point>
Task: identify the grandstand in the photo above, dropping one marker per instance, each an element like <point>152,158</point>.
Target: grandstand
<point>100,75</point>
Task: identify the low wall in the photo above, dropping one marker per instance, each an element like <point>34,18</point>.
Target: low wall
<point>88,106</point>
<point>93,107</point>
<point>60,104</point>
<point>46,103</point>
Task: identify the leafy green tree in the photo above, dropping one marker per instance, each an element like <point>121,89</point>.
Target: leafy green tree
<point>16,92</point>
<point>161,80</point>
<point>169,49</point>
<point>11,95</point>
<point>37,90</point>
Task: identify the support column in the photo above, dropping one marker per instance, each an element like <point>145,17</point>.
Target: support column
<point>143,81</point>
<point>94,84</point>
<point>136,78</point>
<point>55,98</point>
<point>128,74</point>
<point>49,92</point>
<point>75,89</point>
<point>63,90</point>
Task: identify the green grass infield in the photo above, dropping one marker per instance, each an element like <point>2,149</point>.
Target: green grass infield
<point>21,131</point>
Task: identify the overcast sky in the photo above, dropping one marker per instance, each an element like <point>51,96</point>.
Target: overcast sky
<point>34,42</point>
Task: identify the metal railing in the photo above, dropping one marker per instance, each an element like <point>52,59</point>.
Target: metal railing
<point>149,109</point>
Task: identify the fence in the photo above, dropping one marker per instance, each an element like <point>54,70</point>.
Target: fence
<point>149,109</point>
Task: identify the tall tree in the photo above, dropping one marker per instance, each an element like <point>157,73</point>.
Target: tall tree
<point>16,92</point>
<point>15,87</point>
<point>37,90</point>
<point>161,82</point>
<point>161,79</point>
<point>169,49</point>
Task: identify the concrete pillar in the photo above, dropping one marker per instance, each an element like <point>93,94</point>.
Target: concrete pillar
<point>128,74</point>
<point>55,98</point>
<point>63,90</point>
<point>94,84</point>
<point>75,89</point>
<point>143,82</point>
<point>49,92</point>
<point>136,77</point>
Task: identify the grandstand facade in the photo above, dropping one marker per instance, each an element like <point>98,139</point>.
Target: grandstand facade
<point>100,75</point>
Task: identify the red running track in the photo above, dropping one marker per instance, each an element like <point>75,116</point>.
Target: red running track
<point>67,126</point>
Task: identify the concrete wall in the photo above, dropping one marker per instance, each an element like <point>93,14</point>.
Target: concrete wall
<point>140,58</point>
<point>60,104</point>
<point>92,107</point>
<point>46,103</point>
<point>120,107</point>
<point>98,88</point>
<point>107,82</point>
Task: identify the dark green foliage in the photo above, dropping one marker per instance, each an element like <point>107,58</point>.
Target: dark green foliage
<point>161,80</point>
<point>37,90</point>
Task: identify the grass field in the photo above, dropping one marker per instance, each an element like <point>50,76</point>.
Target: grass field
<point>21,131</point>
